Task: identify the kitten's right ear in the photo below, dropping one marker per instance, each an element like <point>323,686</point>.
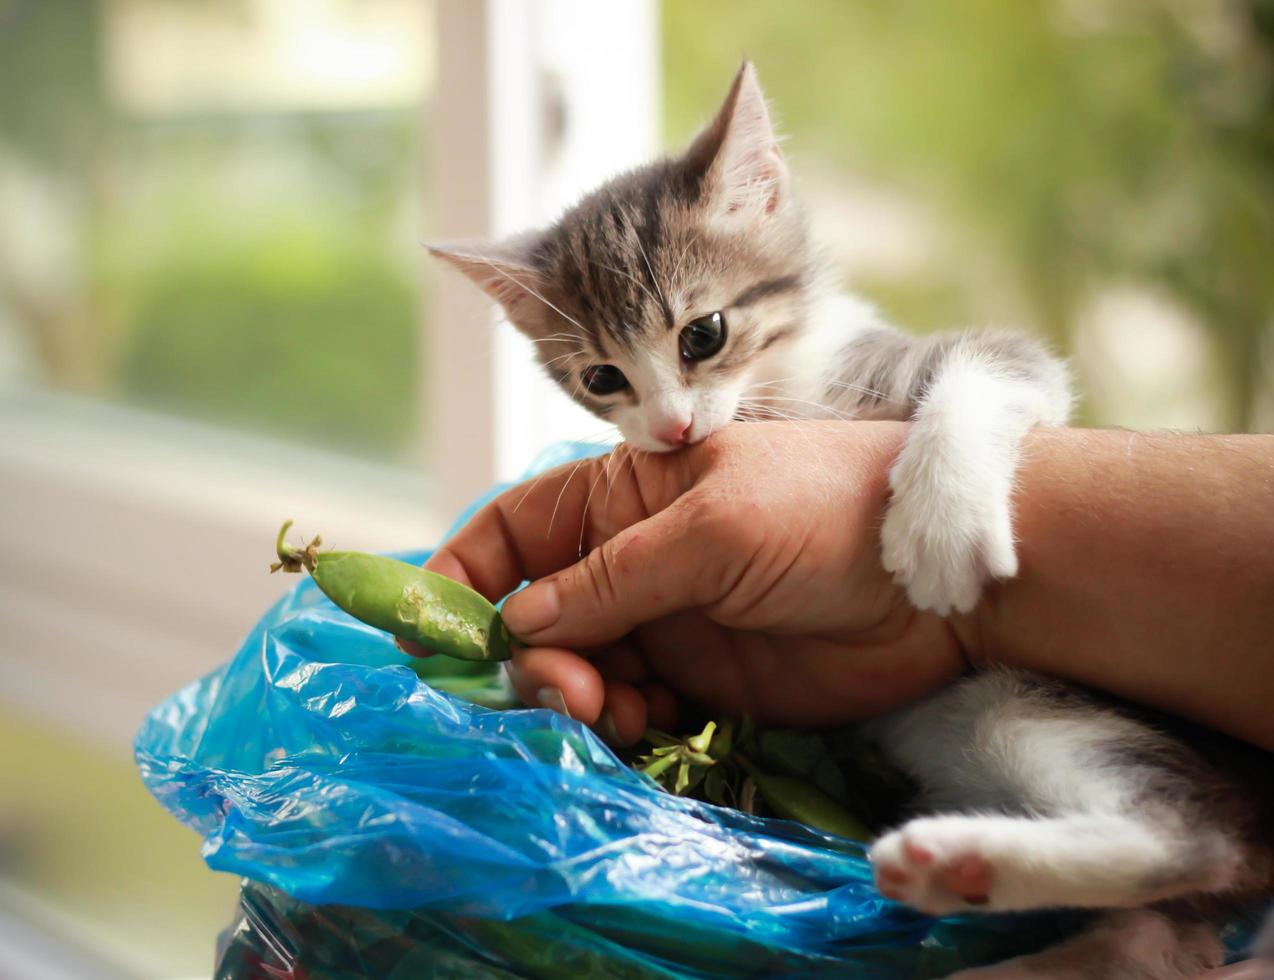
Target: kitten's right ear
<point>737,156</point>
<point>504,270</point>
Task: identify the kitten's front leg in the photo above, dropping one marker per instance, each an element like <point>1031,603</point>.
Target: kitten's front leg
<point>949,524</point>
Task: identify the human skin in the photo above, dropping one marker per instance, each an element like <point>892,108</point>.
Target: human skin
<point>743,575</point>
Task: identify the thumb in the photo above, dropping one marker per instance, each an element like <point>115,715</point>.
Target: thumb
<point>652,569</point>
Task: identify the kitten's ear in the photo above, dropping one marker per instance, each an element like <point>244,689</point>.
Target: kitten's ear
<point>505,270</point>
<point>738,153</point>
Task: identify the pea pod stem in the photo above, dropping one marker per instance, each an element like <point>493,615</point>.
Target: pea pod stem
<point>293,559</point>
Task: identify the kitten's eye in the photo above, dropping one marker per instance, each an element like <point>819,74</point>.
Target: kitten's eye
<point>604,379</point>
<point>702,338</point>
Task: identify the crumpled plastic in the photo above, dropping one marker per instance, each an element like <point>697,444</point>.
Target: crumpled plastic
<point>318,765</point>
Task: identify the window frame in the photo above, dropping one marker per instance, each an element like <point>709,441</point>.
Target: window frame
<point>133,549</point>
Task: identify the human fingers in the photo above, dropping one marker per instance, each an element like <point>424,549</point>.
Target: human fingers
<point>537,528</point>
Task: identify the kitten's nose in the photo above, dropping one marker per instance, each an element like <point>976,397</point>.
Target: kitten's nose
<point>676,431</point>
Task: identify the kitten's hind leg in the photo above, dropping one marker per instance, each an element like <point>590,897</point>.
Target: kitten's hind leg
<point>1042,797</point>
<point>1140,945</point>
<point>949,525</point>
<point>958,863</point>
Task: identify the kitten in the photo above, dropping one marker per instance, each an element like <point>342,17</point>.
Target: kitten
<point>685,295</point>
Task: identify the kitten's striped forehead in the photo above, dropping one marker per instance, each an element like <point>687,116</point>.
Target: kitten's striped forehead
<point>610,255</point>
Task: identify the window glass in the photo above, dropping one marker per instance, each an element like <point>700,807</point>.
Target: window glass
<point>1100,173</point>
<point>211,209</point>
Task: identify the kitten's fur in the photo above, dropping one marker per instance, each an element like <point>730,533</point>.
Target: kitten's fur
<point>1042,796</point>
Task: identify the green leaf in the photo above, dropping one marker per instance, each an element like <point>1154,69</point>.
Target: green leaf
<point>792,753</point>
<point>723,741</point>
<point>714,786</point>
<point>683,778</point>
<point>828,777</point>
<point>662,739</point>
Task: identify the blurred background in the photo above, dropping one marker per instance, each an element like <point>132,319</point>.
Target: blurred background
<point>215,313</point>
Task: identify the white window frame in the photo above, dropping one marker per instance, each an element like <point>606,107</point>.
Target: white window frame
<point>508,70</point>
<point>133,548</point>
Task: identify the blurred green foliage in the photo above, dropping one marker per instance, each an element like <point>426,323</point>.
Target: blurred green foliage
<point>52,108</point>
<point>248,269</point>
<point>1081,141</point>
<point>302,337</point>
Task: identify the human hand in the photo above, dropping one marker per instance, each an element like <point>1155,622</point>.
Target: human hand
<point>740,575</point>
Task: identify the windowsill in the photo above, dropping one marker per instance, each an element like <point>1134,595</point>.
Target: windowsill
<point>133,549</point>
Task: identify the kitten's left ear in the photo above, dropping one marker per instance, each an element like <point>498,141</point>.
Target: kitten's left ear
<point>738,153</point>
<point>505,270</point>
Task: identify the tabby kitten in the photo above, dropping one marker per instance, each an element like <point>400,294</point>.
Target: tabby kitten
<point>685,295</point>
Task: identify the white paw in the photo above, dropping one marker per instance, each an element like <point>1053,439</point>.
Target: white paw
<point>949,525</point>
<point>994,863</point>
<point>934,868</point>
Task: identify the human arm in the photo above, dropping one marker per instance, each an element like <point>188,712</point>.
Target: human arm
<point>743,574</point>
<point>1146,570</point>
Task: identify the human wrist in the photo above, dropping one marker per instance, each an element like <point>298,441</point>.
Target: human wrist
<point>1143,567</point>
<point>990,634</point>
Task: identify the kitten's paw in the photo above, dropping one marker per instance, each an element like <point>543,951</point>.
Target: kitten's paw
<point>948,528</point>
<point>932,870</point>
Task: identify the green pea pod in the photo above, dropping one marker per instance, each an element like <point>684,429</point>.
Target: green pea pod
<point>795,799</point>
<point>792,753</point>
<point>426,608</point>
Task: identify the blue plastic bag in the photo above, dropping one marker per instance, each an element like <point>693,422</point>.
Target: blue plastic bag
<point>318,763</point>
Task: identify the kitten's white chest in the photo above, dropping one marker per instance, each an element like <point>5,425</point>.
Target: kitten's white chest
<point>802,378</point>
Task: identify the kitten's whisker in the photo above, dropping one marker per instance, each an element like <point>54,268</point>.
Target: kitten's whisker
<point>774,382</point>
<point>583,521</point>
<point>629,456</point>
<point>558,503</point>
<point>653,281</point>
<point>534,483</point>
<point>762,406</point>
<point>834,412</point>
<point>596,435</point>
<point>540,476</point>
<point>522,285</point>
<point>621,452</point>
<point>632,468</point>
<point>562,357</point>
<point>850,386</point>
<point>578,390</point>
<point>685,250</point>
<point>831,383</point>
<point>549,338</point>
<point>565,353</point>
<point>759,388</point>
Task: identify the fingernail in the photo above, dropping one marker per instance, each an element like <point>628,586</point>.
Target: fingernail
<point>535,608</point>
<point>608,731</point>
<point>551,697</point>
